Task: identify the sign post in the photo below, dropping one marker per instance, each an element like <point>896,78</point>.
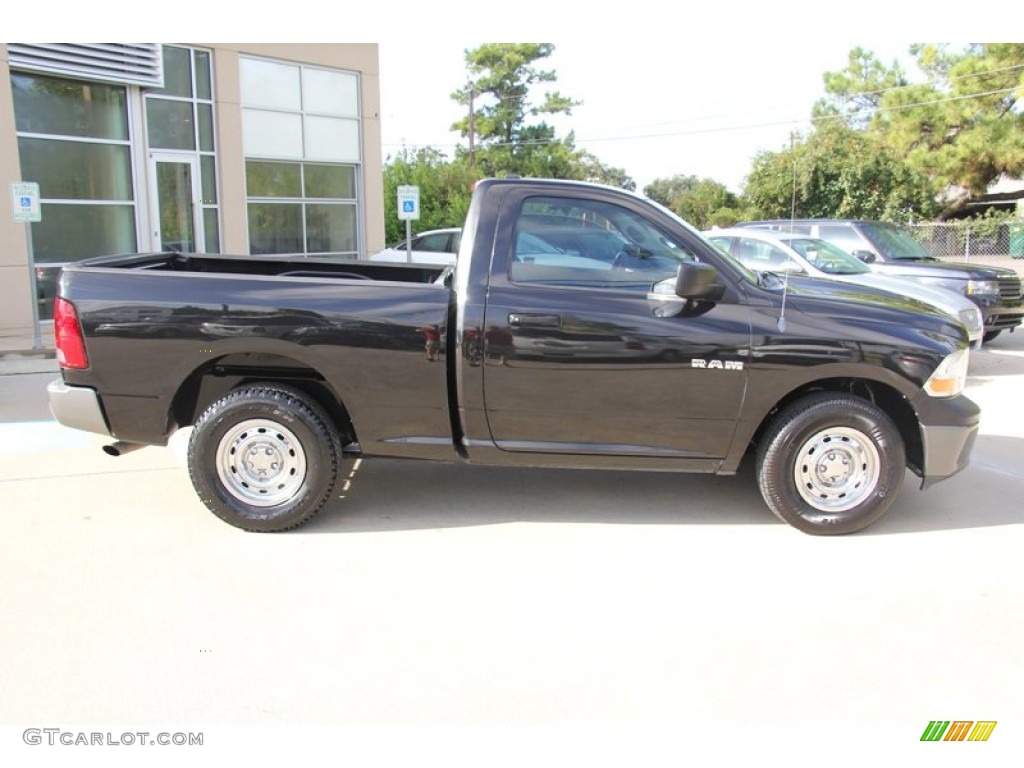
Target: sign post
<point>408,209</point>
<point>25,207</point>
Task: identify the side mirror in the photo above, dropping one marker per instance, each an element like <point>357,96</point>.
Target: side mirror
<point>866,256</point>
<point>692,292</point>
<point>698,282</point>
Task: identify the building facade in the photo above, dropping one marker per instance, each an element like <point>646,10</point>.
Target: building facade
<point>205,148</point>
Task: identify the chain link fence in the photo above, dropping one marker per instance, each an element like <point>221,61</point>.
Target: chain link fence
<point>962,240</point>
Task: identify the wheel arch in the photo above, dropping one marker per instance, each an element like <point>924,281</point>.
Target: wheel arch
<point>883,395</point>
<point>210,381</point>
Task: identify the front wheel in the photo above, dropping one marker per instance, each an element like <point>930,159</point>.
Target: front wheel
<point>264,458</point>
<point>830,464</point>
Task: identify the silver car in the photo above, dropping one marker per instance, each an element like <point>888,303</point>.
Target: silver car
<point>797,254</point>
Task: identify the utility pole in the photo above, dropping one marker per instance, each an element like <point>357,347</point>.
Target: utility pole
<point>472,152</point>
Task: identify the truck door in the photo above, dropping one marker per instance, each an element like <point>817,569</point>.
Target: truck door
<point>579,358</point>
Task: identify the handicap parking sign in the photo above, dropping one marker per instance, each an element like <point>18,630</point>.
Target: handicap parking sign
<point>408,202</point>
<point>25,201</point>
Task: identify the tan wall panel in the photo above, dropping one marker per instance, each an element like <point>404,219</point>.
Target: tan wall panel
<point>231,163</point>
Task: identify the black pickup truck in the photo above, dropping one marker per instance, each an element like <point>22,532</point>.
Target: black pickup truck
<point>662,354</point>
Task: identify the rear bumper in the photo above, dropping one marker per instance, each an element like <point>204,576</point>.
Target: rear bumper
<point>948,431</point>
<point>77,407</point>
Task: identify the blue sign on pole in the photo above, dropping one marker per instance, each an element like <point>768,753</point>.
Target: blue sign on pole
<point>408,203</point>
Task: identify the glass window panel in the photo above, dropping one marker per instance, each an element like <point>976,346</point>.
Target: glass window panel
<point>270,85</point>
<point>211,230</point>
<point>437,243</point>
<point>332,138</point>
<point>334,181</point>
<point>46,287</point>
<point>75,170</point>
<point>330,228</point>
<point>271,134</point>
<point>170,124</point>
<point>73,232</point>
<point>177,72</point>
<point>69,108</point>
<point>205,113</point>
<point>275,228</point>
<point>330,93</point>
<point>204,84</point>
<point>174,198</point>
<point>272,179</point>
<point>208,179</point>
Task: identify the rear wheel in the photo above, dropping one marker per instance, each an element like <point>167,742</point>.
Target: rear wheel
<point>830,464</point>
<point>264,458</point>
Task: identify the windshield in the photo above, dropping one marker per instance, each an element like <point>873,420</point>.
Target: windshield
<point>894,242</point>
<point>827,257</point>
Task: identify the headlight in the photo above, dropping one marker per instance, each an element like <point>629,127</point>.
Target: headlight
<point>971,318</point>
<point>982,288</point>
<point>949,378</point>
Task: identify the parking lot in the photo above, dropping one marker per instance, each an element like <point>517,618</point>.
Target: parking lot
<point>470,598</point>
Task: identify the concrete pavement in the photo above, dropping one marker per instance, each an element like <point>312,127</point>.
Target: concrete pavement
<point>612,610</point>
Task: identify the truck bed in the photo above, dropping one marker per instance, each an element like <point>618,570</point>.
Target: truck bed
<point>289,266</point>
<point>166,332</point>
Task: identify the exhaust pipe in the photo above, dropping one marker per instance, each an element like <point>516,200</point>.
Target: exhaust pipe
<point>120,448</point>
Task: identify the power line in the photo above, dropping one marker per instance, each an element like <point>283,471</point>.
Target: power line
<point>750,126</point>
<point>888,89</point>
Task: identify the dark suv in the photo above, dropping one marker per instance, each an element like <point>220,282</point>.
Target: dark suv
<point>891,249</point>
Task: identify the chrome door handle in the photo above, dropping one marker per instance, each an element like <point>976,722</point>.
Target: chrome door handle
<point>529,320</point>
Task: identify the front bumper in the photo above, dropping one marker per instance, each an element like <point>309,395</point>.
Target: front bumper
<point>949,428</point>
<point>77,407</point>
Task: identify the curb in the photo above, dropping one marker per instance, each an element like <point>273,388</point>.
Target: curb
<point>30,361</point>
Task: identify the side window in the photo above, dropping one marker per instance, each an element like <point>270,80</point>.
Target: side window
<point>587,243</point>
<point>757,254</point>
<point>437,243</point>
<point>724,243</point>
<point>843,236</point>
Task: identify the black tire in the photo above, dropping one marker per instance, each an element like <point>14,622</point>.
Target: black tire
<point>830,464</point>
<point>989,335</point>
<point>264,457</point>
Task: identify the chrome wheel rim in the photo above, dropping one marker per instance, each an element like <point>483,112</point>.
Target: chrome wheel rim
<point>837,469</point>
<point>261,462</point>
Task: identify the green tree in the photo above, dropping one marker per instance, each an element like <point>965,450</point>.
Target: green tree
<point>501,125</point>
<point>838,172</point>
<point>962,127</point>
<point>597,172</point>
<point>855,93</point>
<point>445,189</point>
<point>704,203</point>
<point>501,75</point>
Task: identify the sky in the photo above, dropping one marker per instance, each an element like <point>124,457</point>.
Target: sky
<point>665,89</point>
<point>654,111</point>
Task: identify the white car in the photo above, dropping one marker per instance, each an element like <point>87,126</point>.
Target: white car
<point>440,246</point>
<point>436,246</point>
<point>797,254</point>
